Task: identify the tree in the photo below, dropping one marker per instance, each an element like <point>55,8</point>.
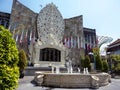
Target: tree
<point>87,63</point>
<point>105,66</point>
<point>117,69</point>
<point>9,71</point>
<point>22,61</point>
<point>99,65</point>
<point>82,61</point>
<point>116,63</point>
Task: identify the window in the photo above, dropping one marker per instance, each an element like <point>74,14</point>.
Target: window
<point>50,54</point>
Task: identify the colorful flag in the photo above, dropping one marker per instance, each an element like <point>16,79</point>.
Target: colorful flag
<point>26,36</point>
<point>13,32</point>
<point>81,42</point>
<point>78,41</point>
<point>68,42</point>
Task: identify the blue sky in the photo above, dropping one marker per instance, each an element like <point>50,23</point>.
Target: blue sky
<point>102,15</point>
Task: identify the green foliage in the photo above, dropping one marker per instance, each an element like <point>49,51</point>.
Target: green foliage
<point>82,61</point>
<point>115,57</point>
<point>117,68</point>
<point>9,72</point>
<point>96,51</point>
<point>8,77</point>
<point>116,63</point>
<point>99,65</point>
<point>8,50</point>
<point>22,60</point>
<point>86,62</point>
<point>105,66</point>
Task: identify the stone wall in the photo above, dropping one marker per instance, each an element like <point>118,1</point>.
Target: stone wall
<point>74,32</point>
<point>22,24</point>
<point>66,35</point>
<point>72,80</point>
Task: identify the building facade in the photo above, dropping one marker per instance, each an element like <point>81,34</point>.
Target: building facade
<point>47,38</point>
<point>114,48</point>
<point>4,19</point>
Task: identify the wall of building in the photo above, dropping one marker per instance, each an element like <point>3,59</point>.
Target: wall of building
<point>23,25</point>
<point>4,19</point>
<point>90,39</point>
<point>74,36</point>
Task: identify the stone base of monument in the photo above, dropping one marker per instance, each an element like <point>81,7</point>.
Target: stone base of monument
<point>30,71</point>
<point>73,80</point>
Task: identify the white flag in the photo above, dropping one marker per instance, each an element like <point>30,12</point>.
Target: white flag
<point>31,35</point>
<point>75,41</point>
<point>65,41</point>
<point>71,42</point>
<point>68,42</point>
<point>17,38</point>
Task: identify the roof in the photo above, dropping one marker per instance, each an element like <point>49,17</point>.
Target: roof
<point>114,44</point>
<point>89,30</point>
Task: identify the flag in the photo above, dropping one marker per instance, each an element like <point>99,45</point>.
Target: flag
<point>68,42</point>
<point>21,37</point>
<point>78,41</point>
<point>16,38</point>
<point>9,27</point>
<point>31,35</point>
<point>13,32</point>
<point>81,42</point>
<point>33,39</point>
<point>65,41</point>
<point>26,37</point>
<point>71,42</point>
<point>75,42</point>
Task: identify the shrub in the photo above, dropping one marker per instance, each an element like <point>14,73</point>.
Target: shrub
<point>105,66</point>
<point>8,77</point>
<point>98,62</point>
<point>117,68</point>
<point>82,62</point>
<point>22,60</point>
<point>87,63</point>
<point>9,72</point>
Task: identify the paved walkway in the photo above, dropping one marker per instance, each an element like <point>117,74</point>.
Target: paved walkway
<point>25,84</point>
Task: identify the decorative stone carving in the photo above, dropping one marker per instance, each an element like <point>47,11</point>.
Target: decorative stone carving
<point>50,25</point>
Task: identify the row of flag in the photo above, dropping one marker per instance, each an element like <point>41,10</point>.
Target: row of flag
<point>24,37</point>
<point>77,42</point>
<point>73,42</point>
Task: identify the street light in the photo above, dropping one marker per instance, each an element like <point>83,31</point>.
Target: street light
<point>90,53</point>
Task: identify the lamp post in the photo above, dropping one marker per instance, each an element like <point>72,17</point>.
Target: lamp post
<point>91,53</point>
